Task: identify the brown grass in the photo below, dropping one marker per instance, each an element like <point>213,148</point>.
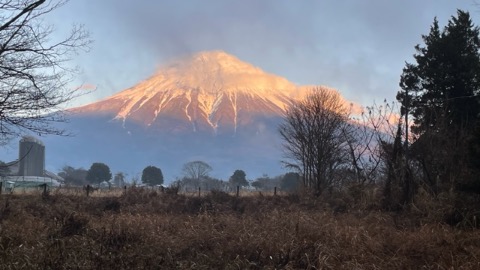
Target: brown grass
<point>150,230</point>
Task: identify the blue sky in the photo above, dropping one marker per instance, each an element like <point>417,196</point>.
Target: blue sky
<point>356,46</point>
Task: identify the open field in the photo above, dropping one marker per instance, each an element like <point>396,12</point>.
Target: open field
<point>144,229</point>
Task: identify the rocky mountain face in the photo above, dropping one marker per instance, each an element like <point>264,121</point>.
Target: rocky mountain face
<point>209,106</point>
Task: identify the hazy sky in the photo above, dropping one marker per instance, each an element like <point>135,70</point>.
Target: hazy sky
<point>356,46</point>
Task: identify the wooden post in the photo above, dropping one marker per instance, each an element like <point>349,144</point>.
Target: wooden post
<point>125,189</point>
<point>1,184</point>
<point>199,192</point>
<point>238,190</point>
<point>44,189</point>
<point>275,191</point>
<point>88,190</point>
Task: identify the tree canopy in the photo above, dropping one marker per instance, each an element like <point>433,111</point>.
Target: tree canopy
<point>98,172</point>
<point>73,176</point>
<point>441,89</point>
<point>196,170</point>
<point>239,178</point>
<point>290,181</point>
<point>441,92</point>
<point>152,176</point>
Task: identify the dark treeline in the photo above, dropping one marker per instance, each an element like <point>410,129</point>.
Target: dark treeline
<point>428,155</point>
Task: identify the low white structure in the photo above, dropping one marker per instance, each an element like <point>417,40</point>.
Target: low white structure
<point>28,171</point>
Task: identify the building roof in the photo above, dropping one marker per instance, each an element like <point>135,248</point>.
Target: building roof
<point>31,139</point>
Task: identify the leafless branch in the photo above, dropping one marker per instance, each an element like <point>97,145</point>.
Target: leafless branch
<point>34,75</point>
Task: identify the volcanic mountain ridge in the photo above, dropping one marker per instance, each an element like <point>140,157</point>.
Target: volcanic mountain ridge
<point>210,92</point>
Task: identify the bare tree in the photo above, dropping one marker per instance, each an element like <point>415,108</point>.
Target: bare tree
<point>365,136</point>
<point>34,75</point>
<point>314,140</point>
<point>196,170</point>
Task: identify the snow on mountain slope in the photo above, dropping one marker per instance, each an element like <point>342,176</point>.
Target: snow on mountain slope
<point>207,92</point>
<point>169,119</point>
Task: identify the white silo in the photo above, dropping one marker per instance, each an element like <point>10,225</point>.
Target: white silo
<point>31,156</point>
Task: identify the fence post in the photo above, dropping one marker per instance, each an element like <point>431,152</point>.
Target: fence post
<point>238,190</point>
<point>44,189</point>
<point>88,190</point>
<point>198,191</point>
<point>1,185</point>
<point>275,191</point>
<point>125,189</point>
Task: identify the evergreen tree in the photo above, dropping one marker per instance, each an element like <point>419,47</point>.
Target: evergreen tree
<point>152,175</point>
<point>239,178</point>
<point>98,172</point>
<point>72,176</point>
<point>440,89</point>
<point>290,181</point>
<point>441,92</point>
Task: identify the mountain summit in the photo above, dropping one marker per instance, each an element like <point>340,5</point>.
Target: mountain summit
<point>209,106</point>
<point>211,92</point>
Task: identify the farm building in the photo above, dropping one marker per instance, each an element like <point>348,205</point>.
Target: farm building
<point>28,171</point>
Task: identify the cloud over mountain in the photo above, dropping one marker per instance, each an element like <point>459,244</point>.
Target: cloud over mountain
<point>208,106</point>
<point>209,91</point>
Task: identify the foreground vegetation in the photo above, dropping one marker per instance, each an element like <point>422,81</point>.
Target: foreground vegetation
<point>144,229</point>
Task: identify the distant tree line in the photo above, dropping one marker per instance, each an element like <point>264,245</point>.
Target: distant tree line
<point>196,174</point>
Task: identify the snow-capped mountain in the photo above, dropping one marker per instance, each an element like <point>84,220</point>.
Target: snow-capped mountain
<point>210,92</point>
<point>209,106</point>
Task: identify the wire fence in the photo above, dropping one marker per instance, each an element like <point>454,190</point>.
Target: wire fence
<point>37,185</point>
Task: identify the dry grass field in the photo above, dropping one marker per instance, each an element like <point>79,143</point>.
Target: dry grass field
<point>144,229</point>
